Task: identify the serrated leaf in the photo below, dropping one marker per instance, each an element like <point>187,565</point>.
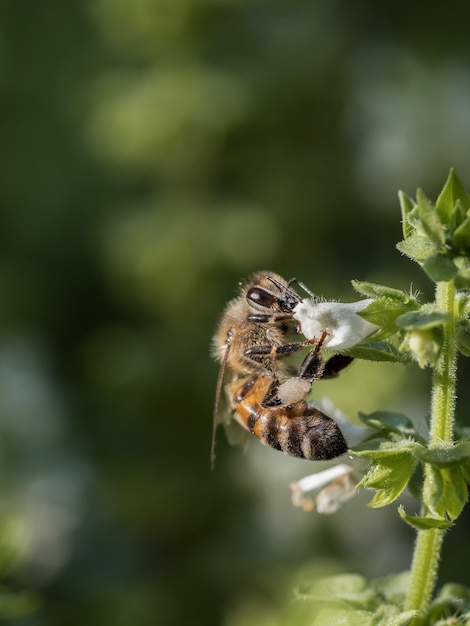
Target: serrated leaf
<point>389,476</point>
<point>444,456</point>
<point>423,523</point>
<point>407,204</point>
<point>421,320</point>
<point>430,220</point>
<point>452,191</point>
<point>384,447</point>
<point>439,267</point>
<point>389,421</point>
<point>374,290</point>
<point>379,351</point>
<point>384,497</point>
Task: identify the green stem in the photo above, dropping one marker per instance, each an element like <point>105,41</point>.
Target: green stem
<point>445,372</point>
<point>428,546</point>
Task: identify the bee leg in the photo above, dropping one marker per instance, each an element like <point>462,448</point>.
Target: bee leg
<point>277,351</point>
<point>335,365</point>
<point>265,318</point>
<point>313,366</point>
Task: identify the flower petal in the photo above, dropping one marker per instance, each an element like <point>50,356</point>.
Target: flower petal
<point>345,328</point>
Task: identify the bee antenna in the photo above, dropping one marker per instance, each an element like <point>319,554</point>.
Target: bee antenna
<point>304,287</point>
<point>284,288</point>
<point>218,391</point>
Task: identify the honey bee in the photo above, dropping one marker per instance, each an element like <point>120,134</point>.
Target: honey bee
<point>266,397</point>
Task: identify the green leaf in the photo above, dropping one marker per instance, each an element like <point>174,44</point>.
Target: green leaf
<point>423,523</point>
<point>421,320</point>
<point>407,204</point>
<point>389,476</point>
<point>394,587</point>
<point>453,600</point>
<point>461,236</point>
<point>417,247</point>
<point>374,290</point>
<point>463,340</point>
<point>384,311</point>
<point>391,615</point>
<point>439,267</point>
<point>463,306</point>
<point>340,585</point>
<point>458,593</point>
<point>381,447</point>
<point>378,351</point>
<point>443,456</point>
<point>458,216</point>
<point>452,191</point>
<point>462,279</point>
<point>430,220</point>
<point>445,493</point>
<point>389,421</point>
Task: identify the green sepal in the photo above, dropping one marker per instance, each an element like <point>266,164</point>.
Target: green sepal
<point>439,267</point>
<point>421,320</point>
<point>430,220</point>
<point>462,279</point>
<point>463,339</point>
<point>445,493</point>
<point>423,523</point>
<point>461,235</point>
<point>416,247</point>
<point>452,192</point>
<point>378,351</point>
<point>453,600</point>
<point>407,204</point>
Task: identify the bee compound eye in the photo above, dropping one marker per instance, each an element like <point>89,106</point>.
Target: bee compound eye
<point>261,297</point>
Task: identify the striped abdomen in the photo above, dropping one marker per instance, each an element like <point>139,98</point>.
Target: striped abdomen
<point>298,429</point>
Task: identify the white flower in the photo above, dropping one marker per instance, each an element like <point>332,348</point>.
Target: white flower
<point>339,485</point>
<point>339,319</point>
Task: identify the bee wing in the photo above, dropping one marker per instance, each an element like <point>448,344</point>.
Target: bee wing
<point>236,434</point>
<point>218,416</point>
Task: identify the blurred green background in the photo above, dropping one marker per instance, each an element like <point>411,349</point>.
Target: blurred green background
<point>153,153</point>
